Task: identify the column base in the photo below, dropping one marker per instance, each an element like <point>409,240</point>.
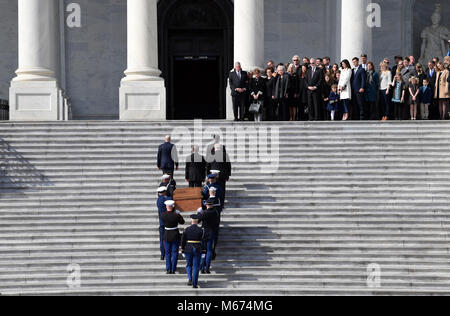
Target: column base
<point>36,101</point>
<point>142,100</point>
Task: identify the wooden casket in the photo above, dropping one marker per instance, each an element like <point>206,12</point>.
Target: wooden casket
<point>188,199</point>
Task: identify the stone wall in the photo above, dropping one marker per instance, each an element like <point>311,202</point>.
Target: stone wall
<point>95,54</point>
<point>96,59</point>
<point>8,45</point>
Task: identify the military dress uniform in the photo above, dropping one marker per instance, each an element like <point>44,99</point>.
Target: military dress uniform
<point>221,162</point>
<point>160,204</point>
<point>193,245</point>
<point>210,223</point>
<point>171,185</point>
<point>207,187</point>
<point>171,237</point>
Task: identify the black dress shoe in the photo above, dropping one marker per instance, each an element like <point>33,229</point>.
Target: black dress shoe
<point>208,272</point>
<point>169,272</point>
<point>203,271</point>
<point>195,287</point>
<point>190,283</point>
<point>163,258</point>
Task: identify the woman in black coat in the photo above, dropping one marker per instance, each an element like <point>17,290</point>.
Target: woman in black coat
<point>303,92</point>
<point>293,92</point>
<point>257,93</point>
<point>268,103</point>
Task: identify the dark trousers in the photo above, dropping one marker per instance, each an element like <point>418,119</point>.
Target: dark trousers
<point>193,261</point>
<point>223,185</point>
<point>283,109</point>
<point>373,111</point>
<point>168,171</point>
<point>171,255</point>
<point>270,110</point>
<point>359,107</point>
<point>239,106</point>
<point>195,184</point>
<point>301,111</point>
<point>206,260</point>
<point>162,230</point>
<point>398,110</point>
<point>216,235</point>
<point>434,110</point>
<point>314,105</point>
<point>385,102</point>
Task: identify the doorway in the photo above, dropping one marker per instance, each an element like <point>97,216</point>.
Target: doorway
<point>196,83</point>
<point>196,54</point>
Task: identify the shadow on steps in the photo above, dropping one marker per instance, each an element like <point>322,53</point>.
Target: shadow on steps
<point>17,173</point>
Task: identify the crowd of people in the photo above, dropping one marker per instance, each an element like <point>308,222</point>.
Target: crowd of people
<point>315,89</point>
<point>197,244</point>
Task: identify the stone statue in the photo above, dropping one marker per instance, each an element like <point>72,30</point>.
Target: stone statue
<point>434,38</point>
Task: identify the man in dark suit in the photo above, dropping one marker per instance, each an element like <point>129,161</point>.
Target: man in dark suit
<point>239,86</point>
<point>359,78</point>
<point>314,79</point>
<point>195,168</point>
<point>432,76</point>
<point>397,59</point>
<point>167,159</point>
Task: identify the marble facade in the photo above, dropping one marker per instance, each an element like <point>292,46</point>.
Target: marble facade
<point>93,57</point>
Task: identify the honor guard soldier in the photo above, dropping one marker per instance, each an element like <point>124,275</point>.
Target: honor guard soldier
<point>212,182</point>
<point>213,196</point>
<point>220,161</point>
<point>210,223</point>
<point>171,219</point>
<point>193,245</point>
<point>160,204</point>
<point>170,184</point>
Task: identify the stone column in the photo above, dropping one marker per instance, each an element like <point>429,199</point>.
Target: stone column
<point>142,90</point>
<point>248,39</point>
<point>249,33</point>
<point>35,94</point>
<point>356,35</point>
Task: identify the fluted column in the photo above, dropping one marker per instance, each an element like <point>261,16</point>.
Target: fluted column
<point>142,91</point>
<point>249,33</point>
<point>356,35</point>
<point>35,93</point>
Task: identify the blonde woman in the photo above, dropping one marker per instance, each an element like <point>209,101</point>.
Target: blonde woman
<point>413,90</point>
<point>293,91</point>
<point>442,93</point>
<point>385,84</point>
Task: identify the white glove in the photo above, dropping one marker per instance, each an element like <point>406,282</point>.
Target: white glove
<point>178,212</point>
<point>203,256</point>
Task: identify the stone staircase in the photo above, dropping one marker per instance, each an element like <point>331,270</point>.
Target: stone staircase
<point>346,201</point>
